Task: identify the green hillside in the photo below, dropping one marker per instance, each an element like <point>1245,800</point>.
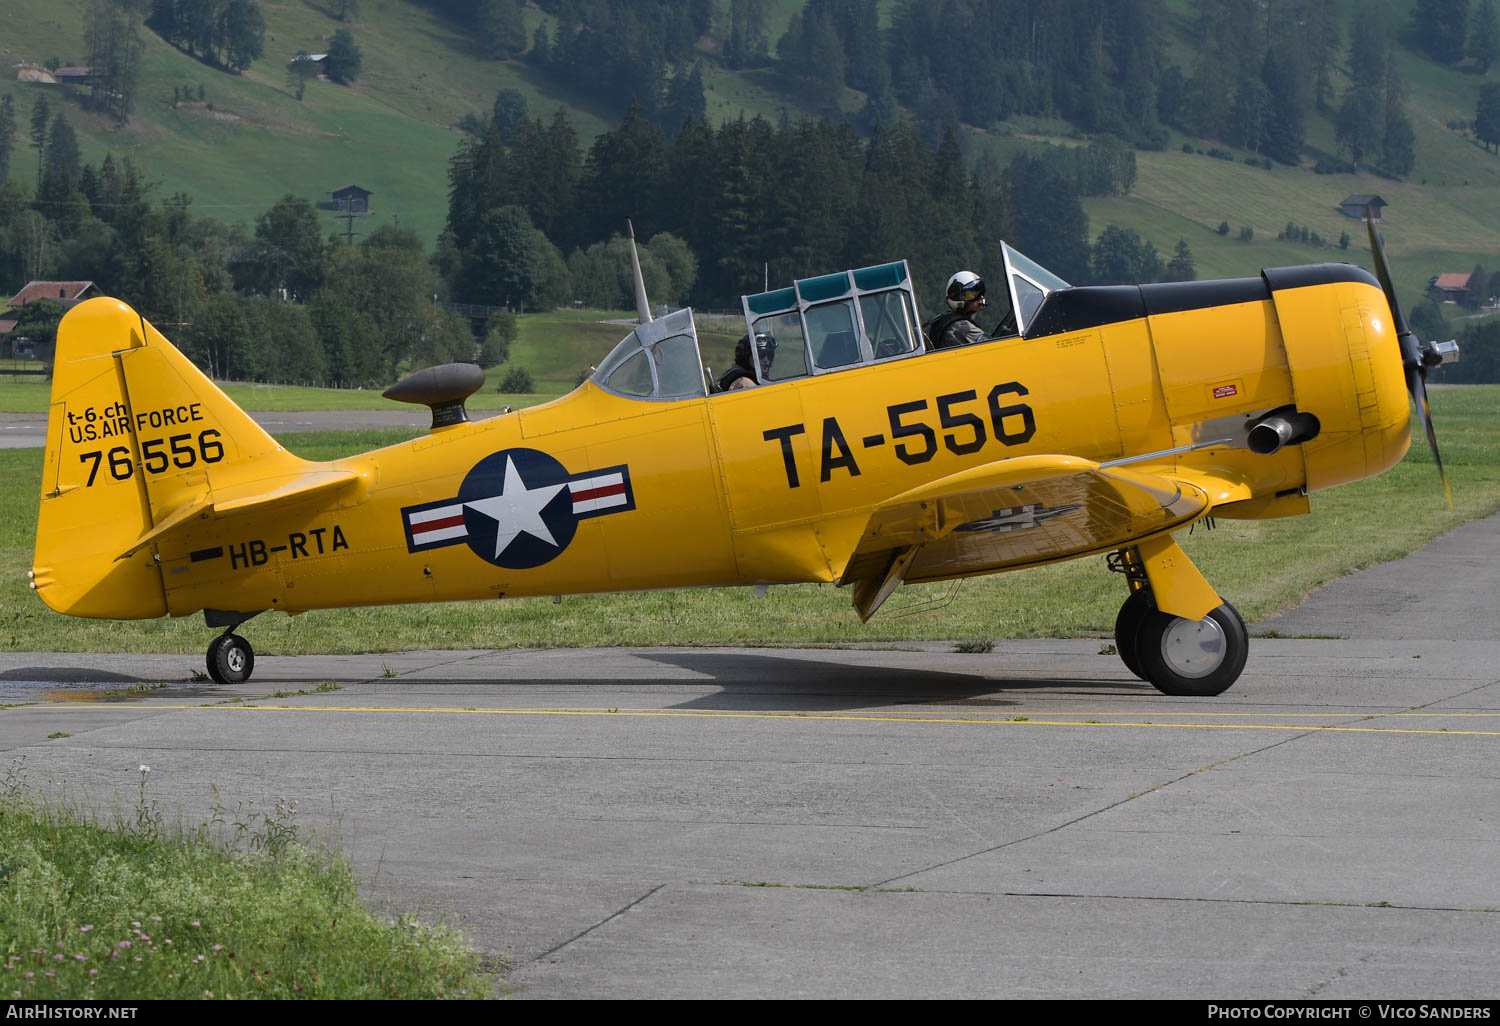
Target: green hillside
<point>249,141</point>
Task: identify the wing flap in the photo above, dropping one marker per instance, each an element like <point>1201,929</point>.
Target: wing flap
<point>1013,513</point>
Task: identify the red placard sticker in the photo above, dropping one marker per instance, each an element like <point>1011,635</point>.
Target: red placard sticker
<point>1225,391</point>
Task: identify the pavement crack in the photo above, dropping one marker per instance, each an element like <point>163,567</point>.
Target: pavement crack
<point>603,922</point>
<point>1095,812</point>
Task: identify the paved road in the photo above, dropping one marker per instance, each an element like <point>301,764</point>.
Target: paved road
<point>1032,822</point>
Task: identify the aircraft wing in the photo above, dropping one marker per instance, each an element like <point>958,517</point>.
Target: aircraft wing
<point>1009,514</point>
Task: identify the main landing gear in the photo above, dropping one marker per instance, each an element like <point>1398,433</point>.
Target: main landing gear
<point>231,660</point>
<point>1177,656</point>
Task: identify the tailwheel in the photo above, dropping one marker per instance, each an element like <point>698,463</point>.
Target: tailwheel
<point>1128,628</point>
<point>230,659</point>
<point>1187,657</point>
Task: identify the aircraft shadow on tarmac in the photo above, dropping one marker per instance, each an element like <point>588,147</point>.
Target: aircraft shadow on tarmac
<point>749,681</point>
<point>67,675</point>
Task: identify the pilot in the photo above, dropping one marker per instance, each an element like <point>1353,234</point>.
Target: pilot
<point>957,326</point>
<point>741,375</point>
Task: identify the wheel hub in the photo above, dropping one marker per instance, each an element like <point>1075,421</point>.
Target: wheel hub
<point>1194,648</point>
<point>235,659</point>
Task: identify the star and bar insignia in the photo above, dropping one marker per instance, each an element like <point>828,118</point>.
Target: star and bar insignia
<point>518,508</point>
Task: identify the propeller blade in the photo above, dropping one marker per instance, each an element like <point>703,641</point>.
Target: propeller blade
<point>1411,349</point>
<point>1418,386</point>
<point>1411,352</point>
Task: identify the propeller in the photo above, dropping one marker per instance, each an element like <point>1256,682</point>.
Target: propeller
<point>1416,356</point>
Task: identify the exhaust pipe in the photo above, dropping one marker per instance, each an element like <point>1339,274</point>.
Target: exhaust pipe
<point>1282,427</point>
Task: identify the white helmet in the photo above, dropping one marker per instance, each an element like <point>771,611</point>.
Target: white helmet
<point>963,288</point>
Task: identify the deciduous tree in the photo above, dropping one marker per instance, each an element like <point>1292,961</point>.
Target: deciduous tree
<point>112,34</point>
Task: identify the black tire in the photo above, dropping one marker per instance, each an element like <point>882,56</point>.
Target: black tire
<point>1185,658</point>
<point>1128,627</point>
<point>231,660</point>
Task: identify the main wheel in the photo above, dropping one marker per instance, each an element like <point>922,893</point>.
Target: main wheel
<point>1128,627</point>
<point>1188,657</point>
<point>230,659</point>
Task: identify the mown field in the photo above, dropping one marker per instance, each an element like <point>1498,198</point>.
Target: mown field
<point>1259,566</point>
<point>249,141</point>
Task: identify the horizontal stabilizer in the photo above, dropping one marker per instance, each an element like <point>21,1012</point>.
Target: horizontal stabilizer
<point>245,495</point>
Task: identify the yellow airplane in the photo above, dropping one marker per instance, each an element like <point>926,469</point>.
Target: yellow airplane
<point>1102,421</point>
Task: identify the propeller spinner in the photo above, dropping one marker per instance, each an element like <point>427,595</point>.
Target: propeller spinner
<point>1416,356</point>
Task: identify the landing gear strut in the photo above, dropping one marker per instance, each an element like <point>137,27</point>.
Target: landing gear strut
<point>1177,656</point>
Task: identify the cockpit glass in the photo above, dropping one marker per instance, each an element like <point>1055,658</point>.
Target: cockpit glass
<point>633,377</point>
<point>887,323</point>
<point>677,371</point>
<point>658,360</point>
<point>1030,284</point>
<point>1030,298</point>
<point>790,356</point>
<point>830,329</point>
<point>617,355</point>
<point>1035,271</point>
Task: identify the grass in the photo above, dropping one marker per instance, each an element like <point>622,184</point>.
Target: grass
<point>236,907</point>
<point>1426,230</point>
<point>1260,566</point>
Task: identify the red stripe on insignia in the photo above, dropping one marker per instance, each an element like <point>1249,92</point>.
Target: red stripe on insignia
<point>438,525</point>
<point>599,493</point>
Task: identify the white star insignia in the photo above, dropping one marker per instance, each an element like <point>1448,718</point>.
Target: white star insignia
<point>517,509</point>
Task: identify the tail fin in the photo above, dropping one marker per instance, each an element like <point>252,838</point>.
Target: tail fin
<point>135,435</point>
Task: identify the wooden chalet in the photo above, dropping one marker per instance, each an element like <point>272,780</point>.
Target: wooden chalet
<point>1355,206</point>
<point>351,199</point>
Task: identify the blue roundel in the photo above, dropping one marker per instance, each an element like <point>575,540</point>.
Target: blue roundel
<point>518,508</point>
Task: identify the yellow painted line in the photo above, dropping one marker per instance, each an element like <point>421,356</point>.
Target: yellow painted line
<point>998,720</point>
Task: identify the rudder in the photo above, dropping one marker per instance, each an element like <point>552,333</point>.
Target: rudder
<point>135,433</point>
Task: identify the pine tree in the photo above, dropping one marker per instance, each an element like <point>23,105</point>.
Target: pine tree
<point>40,116</point>
<point>1358,126</point>
<point>1441,26</point>
<point>1367,47</point>
<point>1484,36</point>
<point>748,32</point>
<point>62,148</point>
<point>1487,116</point>
<point>1322,35</point>
<point>1181,267</point>
<point>1398,145</point>
<point>344,58</point>
<point>1286,109</point>
<point>7,135</point>
<point>1249,118</point>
